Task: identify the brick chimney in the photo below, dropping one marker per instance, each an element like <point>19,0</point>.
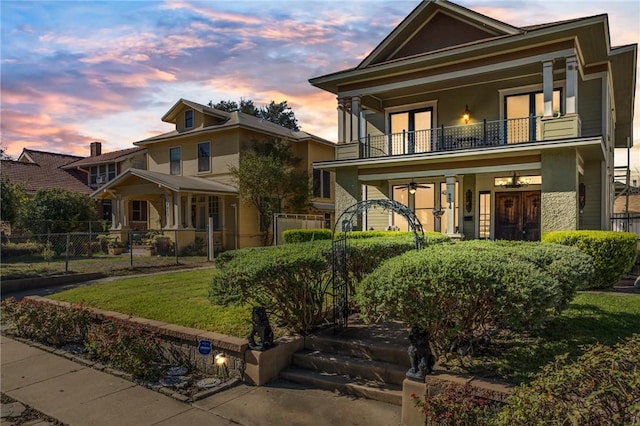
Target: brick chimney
<point>96,149</point>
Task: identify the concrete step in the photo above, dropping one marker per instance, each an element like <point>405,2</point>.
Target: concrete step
<point>377,391</point>
<point>394,352</point>
<point>366,369</point>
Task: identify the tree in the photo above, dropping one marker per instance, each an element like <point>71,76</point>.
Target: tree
<point>267,178</point>
<point>57,210</point>
<point>12,200</point>
<point>279,113</point>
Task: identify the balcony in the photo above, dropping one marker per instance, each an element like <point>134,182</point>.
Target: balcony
<point>469,136</point>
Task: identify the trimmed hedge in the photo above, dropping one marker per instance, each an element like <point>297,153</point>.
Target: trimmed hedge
<point>613,253</point>
<point>602,387</point>
<point>292,236</point>
<point>459,292</point>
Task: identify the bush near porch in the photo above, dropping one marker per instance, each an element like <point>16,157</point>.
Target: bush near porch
<point>292,280</point>
<point>614,253</point>
<point>462,293</point>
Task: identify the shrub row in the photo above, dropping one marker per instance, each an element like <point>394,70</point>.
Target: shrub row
<point>129,347</point>
<point>292,236</point>
<point>460,292</point>
<point>614,253</point>
<point>21,249</point>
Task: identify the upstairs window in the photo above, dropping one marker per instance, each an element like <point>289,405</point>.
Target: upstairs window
<point>188,119</point>
<point>204,157</point>
<point>174,161</point>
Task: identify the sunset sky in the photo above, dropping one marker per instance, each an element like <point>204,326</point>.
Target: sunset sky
<point>73,72</point>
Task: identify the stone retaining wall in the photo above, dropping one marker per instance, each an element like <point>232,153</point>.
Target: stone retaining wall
<point>255,367</point>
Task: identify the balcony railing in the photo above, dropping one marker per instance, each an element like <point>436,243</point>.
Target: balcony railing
<point>453,138</point>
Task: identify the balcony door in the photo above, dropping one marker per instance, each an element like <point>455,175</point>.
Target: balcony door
<point>410,131</point>
<point>522,111</point>
<point>518,216</point>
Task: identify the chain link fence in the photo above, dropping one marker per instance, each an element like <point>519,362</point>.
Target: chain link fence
<point>105,251</point>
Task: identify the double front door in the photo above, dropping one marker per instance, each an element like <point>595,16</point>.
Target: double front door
<point>517,216</point>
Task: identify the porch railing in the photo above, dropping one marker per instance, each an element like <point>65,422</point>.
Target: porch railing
<point>452,138</point>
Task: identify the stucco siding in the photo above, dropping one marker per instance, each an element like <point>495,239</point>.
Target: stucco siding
<point>559,207</point>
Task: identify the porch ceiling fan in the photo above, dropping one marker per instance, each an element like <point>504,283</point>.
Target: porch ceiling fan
<point>413,186</point>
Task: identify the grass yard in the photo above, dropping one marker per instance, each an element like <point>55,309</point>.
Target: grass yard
<point>604,317</point>
<point>181,298</point>
<point>29,267</point>
<point>178,298</point>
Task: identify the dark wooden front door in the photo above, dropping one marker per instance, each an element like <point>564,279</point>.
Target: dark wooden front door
<point>518,216</point>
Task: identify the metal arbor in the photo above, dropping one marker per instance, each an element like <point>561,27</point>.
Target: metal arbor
<point>339,250</point>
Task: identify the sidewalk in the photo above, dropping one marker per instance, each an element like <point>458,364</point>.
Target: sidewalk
<point>78,395</point>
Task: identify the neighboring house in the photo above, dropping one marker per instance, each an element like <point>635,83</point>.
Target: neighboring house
<point>187,178</point>
<point>483,128</point>
<point>34,170</point>
<point>98,169</point>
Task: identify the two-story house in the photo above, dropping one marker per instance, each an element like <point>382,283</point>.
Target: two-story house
<point>187,184</point>
<point>483,128</point>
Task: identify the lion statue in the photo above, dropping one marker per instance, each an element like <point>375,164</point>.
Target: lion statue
<point>260,327</point>
<point>422,360</point>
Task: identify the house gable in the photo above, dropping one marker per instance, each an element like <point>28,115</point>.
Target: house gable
<point>435,25</point>
<point>201,116</point>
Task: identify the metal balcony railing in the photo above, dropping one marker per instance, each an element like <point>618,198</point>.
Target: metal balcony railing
<point>453,138</point>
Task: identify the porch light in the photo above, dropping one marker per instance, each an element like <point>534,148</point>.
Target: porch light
<point>516,181</point>
<point>582,196</point>
<point>466,115</point>
<point>412,189</point>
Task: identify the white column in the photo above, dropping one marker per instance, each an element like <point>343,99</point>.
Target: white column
<point>169,211</point>
<point>342,120</point>
<point>124,218</point>
<point>451,212</point>
<point>355,119</point>
<point>116,213</point>
<point>177,216</point>
<point>571,101</point>
<point>547,88</point>
<point>188,208</point>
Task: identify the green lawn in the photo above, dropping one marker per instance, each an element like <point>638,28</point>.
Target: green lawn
<point>592,317</point>
<point>177,298</point>
<point>181,298</point>
<point>33,266</point>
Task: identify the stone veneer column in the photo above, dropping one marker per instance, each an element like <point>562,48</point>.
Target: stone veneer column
<point>348,191</point>
<point>559,201</point>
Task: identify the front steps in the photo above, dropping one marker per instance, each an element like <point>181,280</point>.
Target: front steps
<point>360,361</point>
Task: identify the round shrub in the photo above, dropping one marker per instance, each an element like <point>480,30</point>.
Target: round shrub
<point>613,253</point>
<point>290,281</point>
<point>459,292</point>
<point>602,387</point>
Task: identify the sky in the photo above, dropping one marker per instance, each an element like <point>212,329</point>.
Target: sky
<point>75,71</point>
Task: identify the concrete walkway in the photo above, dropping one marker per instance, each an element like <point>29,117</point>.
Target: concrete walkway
<point>78,395</point>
